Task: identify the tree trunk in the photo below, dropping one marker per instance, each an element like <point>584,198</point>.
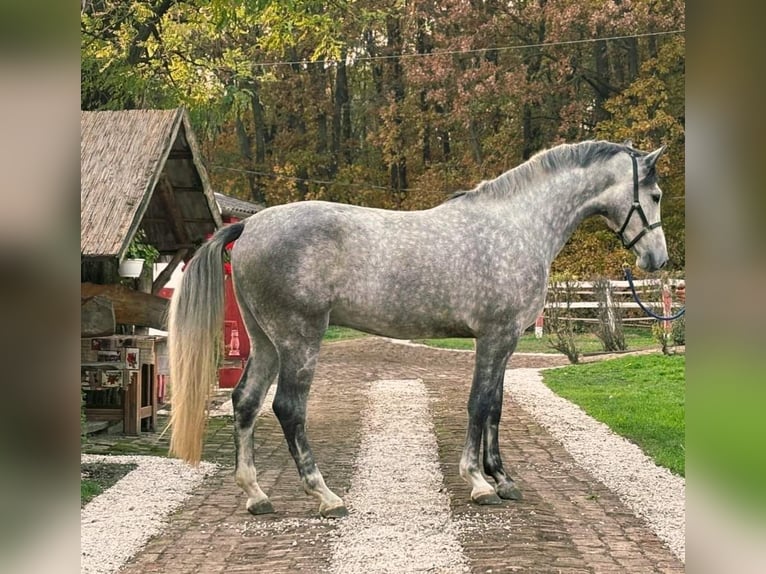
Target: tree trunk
<point>377,68</point>
<point>395,77</point>
<point>426,129</point>
<point>130,307</point>
<point>97,317</point>
<point>341,119</point>
<point>137,49</point>
<point>423,44</point>
<point>633,60</point>
<point>478,154</point>
<point>259,125</point>
<point>245,150</point>
<point>600,58</point>
<point>531,132</point>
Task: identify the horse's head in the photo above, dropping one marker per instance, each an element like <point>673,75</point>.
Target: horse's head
<point>633,209</point>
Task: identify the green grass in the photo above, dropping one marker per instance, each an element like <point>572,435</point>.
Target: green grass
<point>640,398</point>
<point>635,339</point>
<point>334,333</point>
<point>89,489</point>
<point>99,477</point>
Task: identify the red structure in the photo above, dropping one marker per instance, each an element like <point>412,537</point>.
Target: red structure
<point>236,341</point>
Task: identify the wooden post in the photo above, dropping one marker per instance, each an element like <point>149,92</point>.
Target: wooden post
<point>132,419</point>
<point>611,319</point>
<point>667,307</point>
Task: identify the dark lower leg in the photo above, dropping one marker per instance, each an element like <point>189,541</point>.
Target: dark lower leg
<point>493,463</point>
<point>481,491</point>
<point>330,505</point>
<point>247,399</point>
<point>491,358</point>
<point>290,407</point>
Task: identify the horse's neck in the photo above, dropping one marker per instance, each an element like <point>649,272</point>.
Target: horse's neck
<point>552,208</point>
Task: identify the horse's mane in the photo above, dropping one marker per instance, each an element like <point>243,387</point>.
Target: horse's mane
<point>545,162</point>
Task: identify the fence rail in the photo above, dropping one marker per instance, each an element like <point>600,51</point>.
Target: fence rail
<point>654,293</point>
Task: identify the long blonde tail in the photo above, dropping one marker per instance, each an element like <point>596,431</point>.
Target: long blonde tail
<point>195,329</point>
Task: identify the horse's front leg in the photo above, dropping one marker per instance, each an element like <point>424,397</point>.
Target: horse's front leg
<point>492,355</point>
<point>493,464</point>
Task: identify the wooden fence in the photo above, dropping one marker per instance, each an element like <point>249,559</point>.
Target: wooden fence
<point>663,297</point>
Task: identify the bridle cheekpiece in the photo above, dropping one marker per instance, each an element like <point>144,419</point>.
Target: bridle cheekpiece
<point>636,208</point>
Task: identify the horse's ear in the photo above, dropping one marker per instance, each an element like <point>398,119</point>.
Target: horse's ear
<point>628,143</point>
<point>652,158</point>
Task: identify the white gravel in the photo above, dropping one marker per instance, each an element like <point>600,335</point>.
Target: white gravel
<point>399,517</point>
<point>650,491</point>
<point>120,521</point>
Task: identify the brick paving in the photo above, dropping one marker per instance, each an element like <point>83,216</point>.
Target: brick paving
<point>567,523</point>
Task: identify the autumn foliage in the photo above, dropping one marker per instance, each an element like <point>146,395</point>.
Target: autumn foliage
<point>398,103</point>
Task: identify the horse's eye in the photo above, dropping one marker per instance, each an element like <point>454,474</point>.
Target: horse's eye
<point>656,197</point>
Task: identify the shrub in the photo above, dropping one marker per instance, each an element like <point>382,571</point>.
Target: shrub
<point>678,331</point>
<point>609,328</point>
<point>559,318</point>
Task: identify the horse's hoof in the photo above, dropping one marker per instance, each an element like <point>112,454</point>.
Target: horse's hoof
<point>486,498</point>
<point>508,491</point>
<point>335,512</point>
<point>261,507</point>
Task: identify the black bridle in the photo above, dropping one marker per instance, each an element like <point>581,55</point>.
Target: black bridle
<point>636,208</point>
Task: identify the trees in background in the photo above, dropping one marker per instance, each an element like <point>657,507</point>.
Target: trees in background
<point>396,103</point>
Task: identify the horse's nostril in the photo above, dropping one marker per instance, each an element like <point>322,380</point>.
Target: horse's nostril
<point>665,262</point>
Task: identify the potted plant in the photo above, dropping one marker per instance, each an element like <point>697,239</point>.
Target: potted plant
<point>140,254</point>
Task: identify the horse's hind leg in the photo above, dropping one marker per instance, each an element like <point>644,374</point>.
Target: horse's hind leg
<point>247,398</point>
<point>298,358</point>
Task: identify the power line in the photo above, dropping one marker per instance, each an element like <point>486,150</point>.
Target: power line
<point>348,184</point>
<point>309,180</point>
<point>474,50</point>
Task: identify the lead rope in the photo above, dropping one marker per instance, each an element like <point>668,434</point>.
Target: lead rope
<point>629,277</point>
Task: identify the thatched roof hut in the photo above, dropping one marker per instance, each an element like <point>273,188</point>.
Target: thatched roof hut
<point>141,169</point>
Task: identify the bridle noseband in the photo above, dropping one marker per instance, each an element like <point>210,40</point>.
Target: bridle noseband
<point>636,208</point>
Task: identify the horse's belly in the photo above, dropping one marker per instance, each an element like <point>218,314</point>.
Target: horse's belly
<point>400,323</point>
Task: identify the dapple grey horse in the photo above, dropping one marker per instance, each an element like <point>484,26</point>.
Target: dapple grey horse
<point>475,266</point>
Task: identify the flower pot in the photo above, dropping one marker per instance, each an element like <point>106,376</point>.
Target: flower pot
<point>131,267</point>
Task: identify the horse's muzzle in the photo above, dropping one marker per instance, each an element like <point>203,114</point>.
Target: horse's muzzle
<point>650,263</point>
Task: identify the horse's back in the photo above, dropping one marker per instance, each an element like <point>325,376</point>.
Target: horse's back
<point>389,272</point>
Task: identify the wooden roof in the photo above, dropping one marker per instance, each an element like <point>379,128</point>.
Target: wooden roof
<point>141,169</point>
<point>239,208</point>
